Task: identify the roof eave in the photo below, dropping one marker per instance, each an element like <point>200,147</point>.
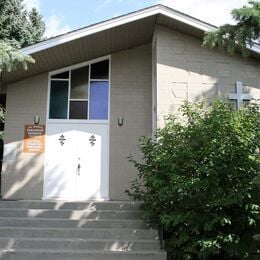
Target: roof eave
<point>154,10</point>
<point>106,25</point>
<point>124,19</point>
<point>255,48</point>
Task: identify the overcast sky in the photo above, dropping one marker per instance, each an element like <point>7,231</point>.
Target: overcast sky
<point>64,15</point>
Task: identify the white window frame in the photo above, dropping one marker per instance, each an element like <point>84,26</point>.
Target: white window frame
<point>70,68</point>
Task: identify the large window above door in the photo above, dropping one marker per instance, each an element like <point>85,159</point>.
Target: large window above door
<point>80,93</point>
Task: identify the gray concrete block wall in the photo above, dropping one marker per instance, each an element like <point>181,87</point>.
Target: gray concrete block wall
<point>131,98</point>
<point>186,71</point>
<point>22,173</point>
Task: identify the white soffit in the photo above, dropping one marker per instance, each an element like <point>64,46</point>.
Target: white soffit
<point>255,48</point>
<point>70,36</point>
<point>121,20</point>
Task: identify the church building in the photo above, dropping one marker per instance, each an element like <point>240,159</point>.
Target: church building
<point>74,116</point>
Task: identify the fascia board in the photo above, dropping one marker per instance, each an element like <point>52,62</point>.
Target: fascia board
<point>90,30</point>
<point>255,48</point>
<point>186,19</point>
<point>197,24</point>
<point>135,16</point>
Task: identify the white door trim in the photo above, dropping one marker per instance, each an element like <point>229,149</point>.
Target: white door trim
<point>73,121</point>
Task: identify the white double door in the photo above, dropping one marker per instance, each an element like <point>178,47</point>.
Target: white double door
<point>76,162</point>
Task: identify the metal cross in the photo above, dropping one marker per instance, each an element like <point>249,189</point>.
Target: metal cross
<point>239,96</point>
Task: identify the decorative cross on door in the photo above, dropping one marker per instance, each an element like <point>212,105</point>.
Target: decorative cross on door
<point>62,139</point>
<point>239,96</point>
<point>92,140</point>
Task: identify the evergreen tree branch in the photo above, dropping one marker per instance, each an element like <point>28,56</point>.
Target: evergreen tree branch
<point>10,57</point>
<point>240,36</point>
<point>17,25</point>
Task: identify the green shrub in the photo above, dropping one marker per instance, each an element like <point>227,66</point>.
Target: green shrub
<point>195,180</point>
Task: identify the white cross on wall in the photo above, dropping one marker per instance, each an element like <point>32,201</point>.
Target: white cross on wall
<point>239,96</point>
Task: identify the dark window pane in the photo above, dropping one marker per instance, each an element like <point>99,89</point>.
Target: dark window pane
<point>98,106</point>
<point>78,109</point>
<point>63,75</point>
<point>99,70</point>
<point>58,99</point>
<point>79,83</point>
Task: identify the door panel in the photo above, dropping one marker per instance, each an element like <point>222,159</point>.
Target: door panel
<point>77,169</point>
<point>88,181</point>
<point>60,167</point>
<point>93,159</point>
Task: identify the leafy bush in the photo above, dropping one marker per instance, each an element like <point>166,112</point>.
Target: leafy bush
<point>195,180</point>
<point>256,180</point>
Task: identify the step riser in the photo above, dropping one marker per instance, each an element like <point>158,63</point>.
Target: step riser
<point>77,215</point>
<point>77,244</point>
<point>83,256</point>
<point>71,205</point>
<point>61,223</point>
<point>58,230</point>
<point>81,233</point>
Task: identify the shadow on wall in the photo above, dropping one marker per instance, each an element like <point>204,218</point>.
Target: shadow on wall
<point>185,71</point>
<point>22,173</point>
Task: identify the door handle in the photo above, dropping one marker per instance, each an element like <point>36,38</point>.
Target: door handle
<point>78,169</point>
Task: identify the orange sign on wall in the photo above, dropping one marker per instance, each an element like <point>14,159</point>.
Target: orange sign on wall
<point>34,139</point>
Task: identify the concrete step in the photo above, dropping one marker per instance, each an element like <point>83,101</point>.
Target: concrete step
<point>81,255</point>
<point>84,233</point>
<point>70,214</point>
<point>78,244</point>
<point>64,205</point>
<point>69,223</point>
<point>59,230</point>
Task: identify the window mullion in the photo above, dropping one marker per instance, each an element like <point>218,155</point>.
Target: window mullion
<point>89,71</point>
<point>68,111</point>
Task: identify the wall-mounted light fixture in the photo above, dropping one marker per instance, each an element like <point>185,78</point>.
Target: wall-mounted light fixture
<point>120,120</point>
<point>36,120</point>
